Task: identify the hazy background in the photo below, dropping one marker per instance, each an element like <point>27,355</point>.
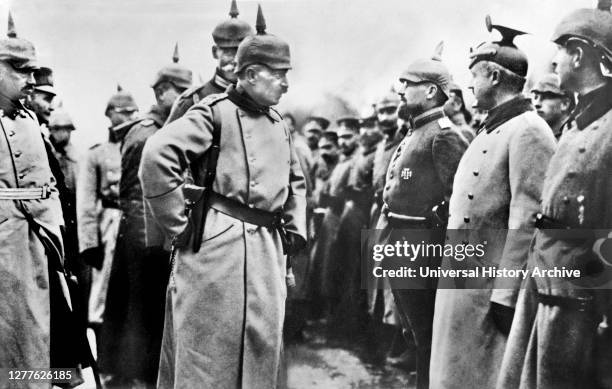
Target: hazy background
<point>352,48</point>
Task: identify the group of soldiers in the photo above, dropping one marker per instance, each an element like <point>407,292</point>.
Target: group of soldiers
<point>181,239</point>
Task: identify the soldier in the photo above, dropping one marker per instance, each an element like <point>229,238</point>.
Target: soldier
<point>40,100</point>
<point>134,318</point>
<point>313,128</point>
<point>554,341</point>
<point>227,35</point>
<point>496,191</point>
<point>419,178</point>
<point>457,112</point>
<point>97,201</point>
<point>38,329</point>
<point>334,200</point>
<point>552,103</point>
<point>226,298</point>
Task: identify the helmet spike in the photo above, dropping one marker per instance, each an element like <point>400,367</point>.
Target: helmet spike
<point>175,55</point>
<point>508,34</point>
<point>437,55</point>
<point>234,10</point>
<point>11,32</point>
<point>260,24</point>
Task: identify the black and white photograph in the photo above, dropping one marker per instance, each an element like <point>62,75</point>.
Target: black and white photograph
<point>305,194</point>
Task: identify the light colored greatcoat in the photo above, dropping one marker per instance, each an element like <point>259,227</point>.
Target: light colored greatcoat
<point>24,280</point>
<point>497,187</point>
<point>225,304</point>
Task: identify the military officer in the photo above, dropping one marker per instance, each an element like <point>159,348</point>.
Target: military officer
<point>41,99</point>
<point>552,103</point>
<point>554,341</point>
<point>313,128</point>
<point>227,35</point>
<point>419,178</point>
<point>226,297</point>
<point>134,318</point>
<point>457,112</point>
<point>496,190</point>
<point>97,203</point>
<point>31,254</point>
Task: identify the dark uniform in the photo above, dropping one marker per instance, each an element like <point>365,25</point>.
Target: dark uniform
<point>555,341</point>
<point>227,34</point>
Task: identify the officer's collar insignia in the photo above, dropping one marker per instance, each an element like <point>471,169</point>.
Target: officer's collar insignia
<point>221,82</point>
<point>426,117</point>
<point>592,106</point>
<point>506,111</point>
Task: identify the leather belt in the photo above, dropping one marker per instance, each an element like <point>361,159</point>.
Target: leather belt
<point>543,222</point>
<point>404,219</point>
<point>25,193</point>
<point>580,304</point>
<point>241,211</point>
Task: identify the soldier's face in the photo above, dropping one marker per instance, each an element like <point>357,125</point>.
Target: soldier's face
<point>369,135</point>
<point>414,97</point>
<point>482,85</point>
<point>564,65</point>
<point>15,83</point>
<point>328,150</point>
<point>165,95</point>
<point>42,105</point>
<point>550,107</point>
<point>387,118</point>
<point>347,140</point>
<point>118,117</point>
<point>312,131</point>
<point>268,85</point>
<point>225,57</point>
<point>60,136</point>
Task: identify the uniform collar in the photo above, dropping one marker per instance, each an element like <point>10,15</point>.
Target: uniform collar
<point>221,82</point>
<point>506,111</point>
<point>17,109</point>
<point>239,97</point>
<point>592,106</point>
<point>157,115</point>
<point>426,117</point>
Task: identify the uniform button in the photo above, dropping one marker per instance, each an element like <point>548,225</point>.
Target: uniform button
<point>17,154</point>
<point>497,132</point>
<point>387,187</point>
<point>41,282</point>
<point>484,151</point>
<point>251,231</point>
<point>565,199</point>
<point>470,196</point>
<point>253,183</point>
<point>391,175</point>
<point>582,149</point>
<point>466,219</point>
<point>476,173</point>
<point>12,133</point>
<point>22,176</point>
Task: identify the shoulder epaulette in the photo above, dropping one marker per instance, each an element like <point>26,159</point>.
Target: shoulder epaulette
<point>280,117</point>
<point>213,99</point>
<point>95,146</point>
<point>191,91</point>
<point>445,123</point>
<point>147,122</point>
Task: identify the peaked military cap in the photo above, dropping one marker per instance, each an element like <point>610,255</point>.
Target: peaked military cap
<point>44,80</point>
<point>60,118</point>
<point>177,74</point>
<point>18,51</point>
<point>549,83</point>
<point>429,70</point>
<point>593,25</point>
<point>320,120</point>
<point>503,52</point>
<point>390,99</point>
<point>231,32</point>
<point>263,48</point>
<point>121,101</point>
<point>348,121</point>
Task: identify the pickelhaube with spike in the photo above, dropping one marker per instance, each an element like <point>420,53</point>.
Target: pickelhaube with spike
<point>121,101</point>
<point>44,80</point>
<point>18,51</point>
<point>503,52</point>
<point>429,70</point>
<point>229,33</point>
<point>593,25</point>
<point>174,73</point>
<point>263,48</point>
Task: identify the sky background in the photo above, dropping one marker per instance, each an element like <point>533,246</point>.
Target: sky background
<point>351,48</point>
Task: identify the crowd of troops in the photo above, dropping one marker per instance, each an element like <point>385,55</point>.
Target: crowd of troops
<point>207,232</point>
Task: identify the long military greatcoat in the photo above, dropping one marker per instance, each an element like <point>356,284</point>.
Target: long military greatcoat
<point>550,346</point>
<point>225,304</point>
<point>24,279</point>
<point>134,314</point>
<point>497,186</point>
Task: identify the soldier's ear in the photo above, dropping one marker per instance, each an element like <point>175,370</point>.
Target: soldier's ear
<point>577,56</point>
<point>215,52</point>
<point>495,76</point>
